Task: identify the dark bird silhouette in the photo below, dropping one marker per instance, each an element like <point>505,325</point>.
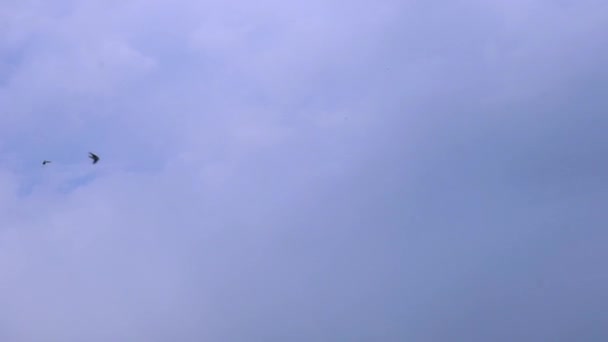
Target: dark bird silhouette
<point>94,157</point>
<point>44,162</point>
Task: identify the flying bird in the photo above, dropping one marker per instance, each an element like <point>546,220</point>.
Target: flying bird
<point>44,162</point>
<point>94,157</point>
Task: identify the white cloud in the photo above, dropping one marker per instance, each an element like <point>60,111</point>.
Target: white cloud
<point>282,171</point>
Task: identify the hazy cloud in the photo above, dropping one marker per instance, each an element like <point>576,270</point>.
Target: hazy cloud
<point>328,170</point>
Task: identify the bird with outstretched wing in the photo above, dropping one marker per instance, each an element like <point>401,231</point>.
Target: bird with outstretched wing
<point>94,157</point>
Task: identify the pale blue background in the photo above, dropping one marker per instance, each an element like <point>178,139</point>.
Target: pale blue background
<point>322,170</point>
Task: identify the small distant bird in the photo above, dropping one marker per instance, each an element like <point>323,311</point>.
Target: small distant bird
<point>94,157</point>
<point>44,162</point>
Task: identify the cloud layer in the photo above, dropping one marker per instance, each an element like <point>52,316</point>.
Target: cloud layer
<point>319,171</point>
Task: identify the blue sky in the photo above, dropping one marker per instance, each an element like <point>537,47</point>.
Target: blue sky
<point>307,171</point>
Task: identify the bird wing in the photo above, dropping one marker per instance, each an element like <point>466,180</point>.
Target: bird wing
<point>94,157</point>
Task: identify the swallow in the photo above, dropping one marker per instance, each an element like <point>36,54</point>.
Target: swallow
<point>44,162</point>
<point>94,157</point>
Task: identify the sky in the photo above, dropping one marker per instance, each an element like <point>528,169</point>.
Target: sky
<point>320,170</point>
